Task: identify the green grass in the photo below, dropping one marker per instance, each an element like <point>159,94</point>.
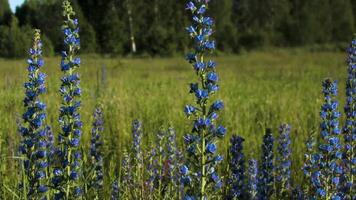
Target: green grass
<point>260,90</point>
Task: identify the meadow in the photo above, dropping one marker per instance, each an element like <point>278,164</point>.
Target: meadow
<point>260,89</point>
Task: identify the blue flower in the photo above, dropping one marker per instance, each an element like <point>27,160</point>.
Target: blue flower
<point>208,21</point>
<point>210,45</point>
<point>42,188</point>
<point>190,6</point>
<point>211,148</point>
<point>189,110</point>
<point>184,170</point>
<point>201,94</point>
<point>115,190</point>
<point>349,131</point>
<point>96,152</point>
<point>202,9</point>
<point>199,66</point>
<point>221,131</point>
<point>69,118</point>
<point>33,146</point>
<point>283,168</point>
<point>201,143</point>
<point>212,77</point>
<point>191,30</point>
<point>211,64</point>
<point>252,179</point>
<point>266,178</point>
<point>326,166</point>
<point>237,168</point>
<point>217,105</point>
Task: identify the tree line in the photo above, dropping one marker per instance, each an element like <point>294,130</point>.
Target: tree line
<point>122,27</point>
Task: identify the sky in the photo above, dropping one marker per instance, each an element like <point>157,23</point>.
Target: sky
<point>14,3</point>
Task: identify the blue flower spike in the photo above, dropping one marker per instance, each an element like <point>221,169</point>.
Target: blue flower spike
<point>34,141</point>
<point>199,175</point>
<point>67,181</point>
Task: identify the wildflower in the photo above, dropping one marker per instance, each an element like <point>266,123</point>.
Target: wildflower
<point>298,194</point>
<point>173,162</point>
<point>349,130</point>
<point>33,131</point>
<point>310,159</point>
<point>127,185</point>
<point>283,165</point>
<point>252,179</point>
<point>96,152</point>
<point>137,159</point>
<point>69,117</point>
<point>202,180</point>
<point>115,190</point>
<point>151,171</point>
<point>326,168</point>
<point>237,168</point>
<point>266,177</point>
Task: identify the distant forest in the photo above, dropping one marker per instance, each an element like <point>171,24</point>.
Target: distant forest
<point>156,27</point>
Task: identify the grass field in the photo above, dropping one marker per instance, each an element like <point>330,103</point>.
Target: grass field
<point>260,90</point>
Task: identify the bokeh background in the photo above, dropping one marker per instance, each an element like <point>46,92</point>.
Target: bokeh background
<point>155,27</point>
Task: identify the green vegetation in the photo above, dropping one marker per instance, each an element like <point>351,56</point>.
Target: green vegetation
<point>260,90</point>
<point>156,27</point>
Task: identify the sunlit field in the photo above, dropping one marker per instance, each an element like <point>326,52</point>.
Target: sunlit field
<point>260,90</point>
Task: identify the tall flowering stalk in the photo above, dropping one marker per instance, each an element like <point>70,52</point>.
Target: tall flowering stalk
<point>96,153</point>
<point>237,167</point>
<point>298,194</point>
<point>172,162</point>
<point>137,161</point>
<point>309,163</point>
<point>115,190</point>
<point>126,179</point>
<point>199,175</point>
<point>349,130</point>
<point>67,174</point>
<point>283,163</point>
<point>159,162</point>
<point>252,176</point>
<point>266,172</point>
<point>326,172</point>
<point>34,131</point>
<point>151,174</point>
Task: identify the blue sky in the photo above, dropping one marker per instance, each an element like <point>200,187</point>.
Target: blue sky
<point>14,3</point>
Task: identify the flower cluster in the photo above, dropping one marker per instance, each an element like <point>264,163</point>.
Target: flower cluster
<point>283,162</point>
<point>162,167</point>
<point>252,179</point>
<point>115,190</point>
<point>326,171</point>
<point>96,151</point>
<point>152,171</point>
<point>137,160</point>
<point>236,180</point>
<point>309,160</point>
<point>173,161</point>
<point>126,176</point>
<point>199,175</point>
<point>68,172</point>
<point>34,131</point>
<point>349,129</point>
<point>266,172</point>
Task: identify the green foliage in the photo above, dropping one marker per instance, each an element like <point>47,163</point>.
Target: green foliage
<point>15,40</point>
<point>155,27</point>
<point>5,12</point>
<point>226,33</point>
<point>342,20</point>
